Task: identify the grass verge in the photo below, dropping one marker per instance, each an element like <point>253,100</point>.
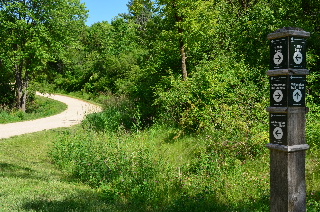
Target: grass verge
<point>30,182</point>
<point>159,169</point>
<point>41,107</point>
<point>146,171</point>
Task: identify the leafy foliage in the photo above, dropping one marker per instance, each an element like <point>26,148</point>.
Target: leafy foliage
<point>207,100</point>
<point>34,33</point>
<point>196,66</point>
<point>138,56</point>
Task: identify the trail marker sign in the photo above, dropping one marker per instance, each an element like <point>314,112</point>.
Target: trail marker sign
<point>288,50</point>
<point>287,119</point>
<point>279,53</point>
<point>288,91</point>
<point>278,128</point>
<point>278,91</point>
<point>297,91</point>
<point>297,52</point>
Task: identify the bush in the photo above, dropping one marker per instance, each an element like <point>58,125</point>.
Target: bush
<point>222,94</point>
<point>119,114</point>
<point>7,95</point>
<point>119,169</point>
<point>313,125</point>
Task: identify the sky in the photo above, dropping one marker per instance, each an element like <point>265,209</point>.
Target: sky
<point>104,10</point>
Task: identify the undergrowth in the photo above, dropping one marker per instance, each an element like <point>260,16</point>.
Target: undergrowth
<point>162,168</point>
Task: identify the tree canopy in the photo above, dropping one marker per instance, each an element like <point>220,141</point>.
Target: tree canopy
<point>34,32</point>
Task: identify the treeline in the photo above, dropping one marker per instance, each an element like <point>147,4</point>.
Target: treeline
<point>193,63</point>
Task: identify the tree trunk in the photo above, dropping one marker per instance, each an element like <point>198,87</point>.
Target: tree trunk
<point>183,61</point>
<point>22,83</point>
<point>179,20</point>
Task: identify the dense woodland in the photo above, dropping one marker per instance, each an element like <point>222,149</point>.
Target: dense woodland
<point>192,67</point>
<point>191,63</point>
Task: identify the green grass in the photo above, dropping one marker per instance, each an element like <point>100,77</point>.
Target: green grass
<point>160,170</point>
<point>189,179</point>
<point>157,169</point>
<point>41,107</point>
<point>30,182</point>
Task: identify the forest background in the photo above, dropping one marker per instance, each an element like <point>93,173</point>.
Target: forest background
<point>187,68</point>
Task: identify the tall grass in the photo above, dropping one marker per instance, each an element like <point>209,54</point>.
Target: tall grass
<point>163,169</point>
<point>158,170</point>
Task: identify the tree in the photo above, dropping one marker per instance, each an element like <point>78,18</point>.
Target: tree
<point>186,24</point>
<point>163,19</point>
<point>173,10</point>
<point>141,11</point>
<point>34,32</point>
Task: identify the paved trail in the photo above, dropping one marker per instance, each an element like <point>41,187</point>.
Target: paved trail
<point>75,113</point>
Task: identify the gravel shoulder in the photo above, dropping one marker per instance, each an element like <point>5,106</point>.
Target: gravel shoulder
<point>75,113</point>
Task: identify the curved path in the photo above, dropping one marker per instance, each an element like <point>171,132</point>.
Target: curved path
<point>75,113</point>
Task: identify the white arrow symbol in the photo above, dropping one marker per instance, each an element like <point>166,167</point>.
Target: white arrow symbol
<point>278,95</point>
<point>277,133</point>
<point>278,58</point>
<point>297,95</point>
<point>297,58</point>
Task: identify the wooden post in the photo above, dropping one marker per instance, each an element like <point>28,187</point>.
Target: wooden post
<point>287,119</point>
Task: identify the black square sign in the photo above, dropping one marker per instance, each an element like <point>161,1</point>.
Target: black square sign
<point>297,91</point>
<point>278,128</point>
<point>288,91</point>
<point>279,53</point>
<point>278,91</point>
<point>297,58</point>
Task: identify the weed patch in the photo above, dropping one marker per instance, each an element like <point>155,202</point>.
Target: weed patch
<point>150,173</point>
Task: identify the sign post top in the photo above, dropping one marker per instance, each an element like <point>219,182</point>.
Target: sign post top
<point>288,31</point>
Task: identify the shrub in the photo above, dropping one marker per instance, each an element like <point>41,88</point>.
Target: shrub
<point>313,125</point>
<point>7,95</point>
<point>119,169</point>
<point>119,114</point>
<point>221,94</point>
